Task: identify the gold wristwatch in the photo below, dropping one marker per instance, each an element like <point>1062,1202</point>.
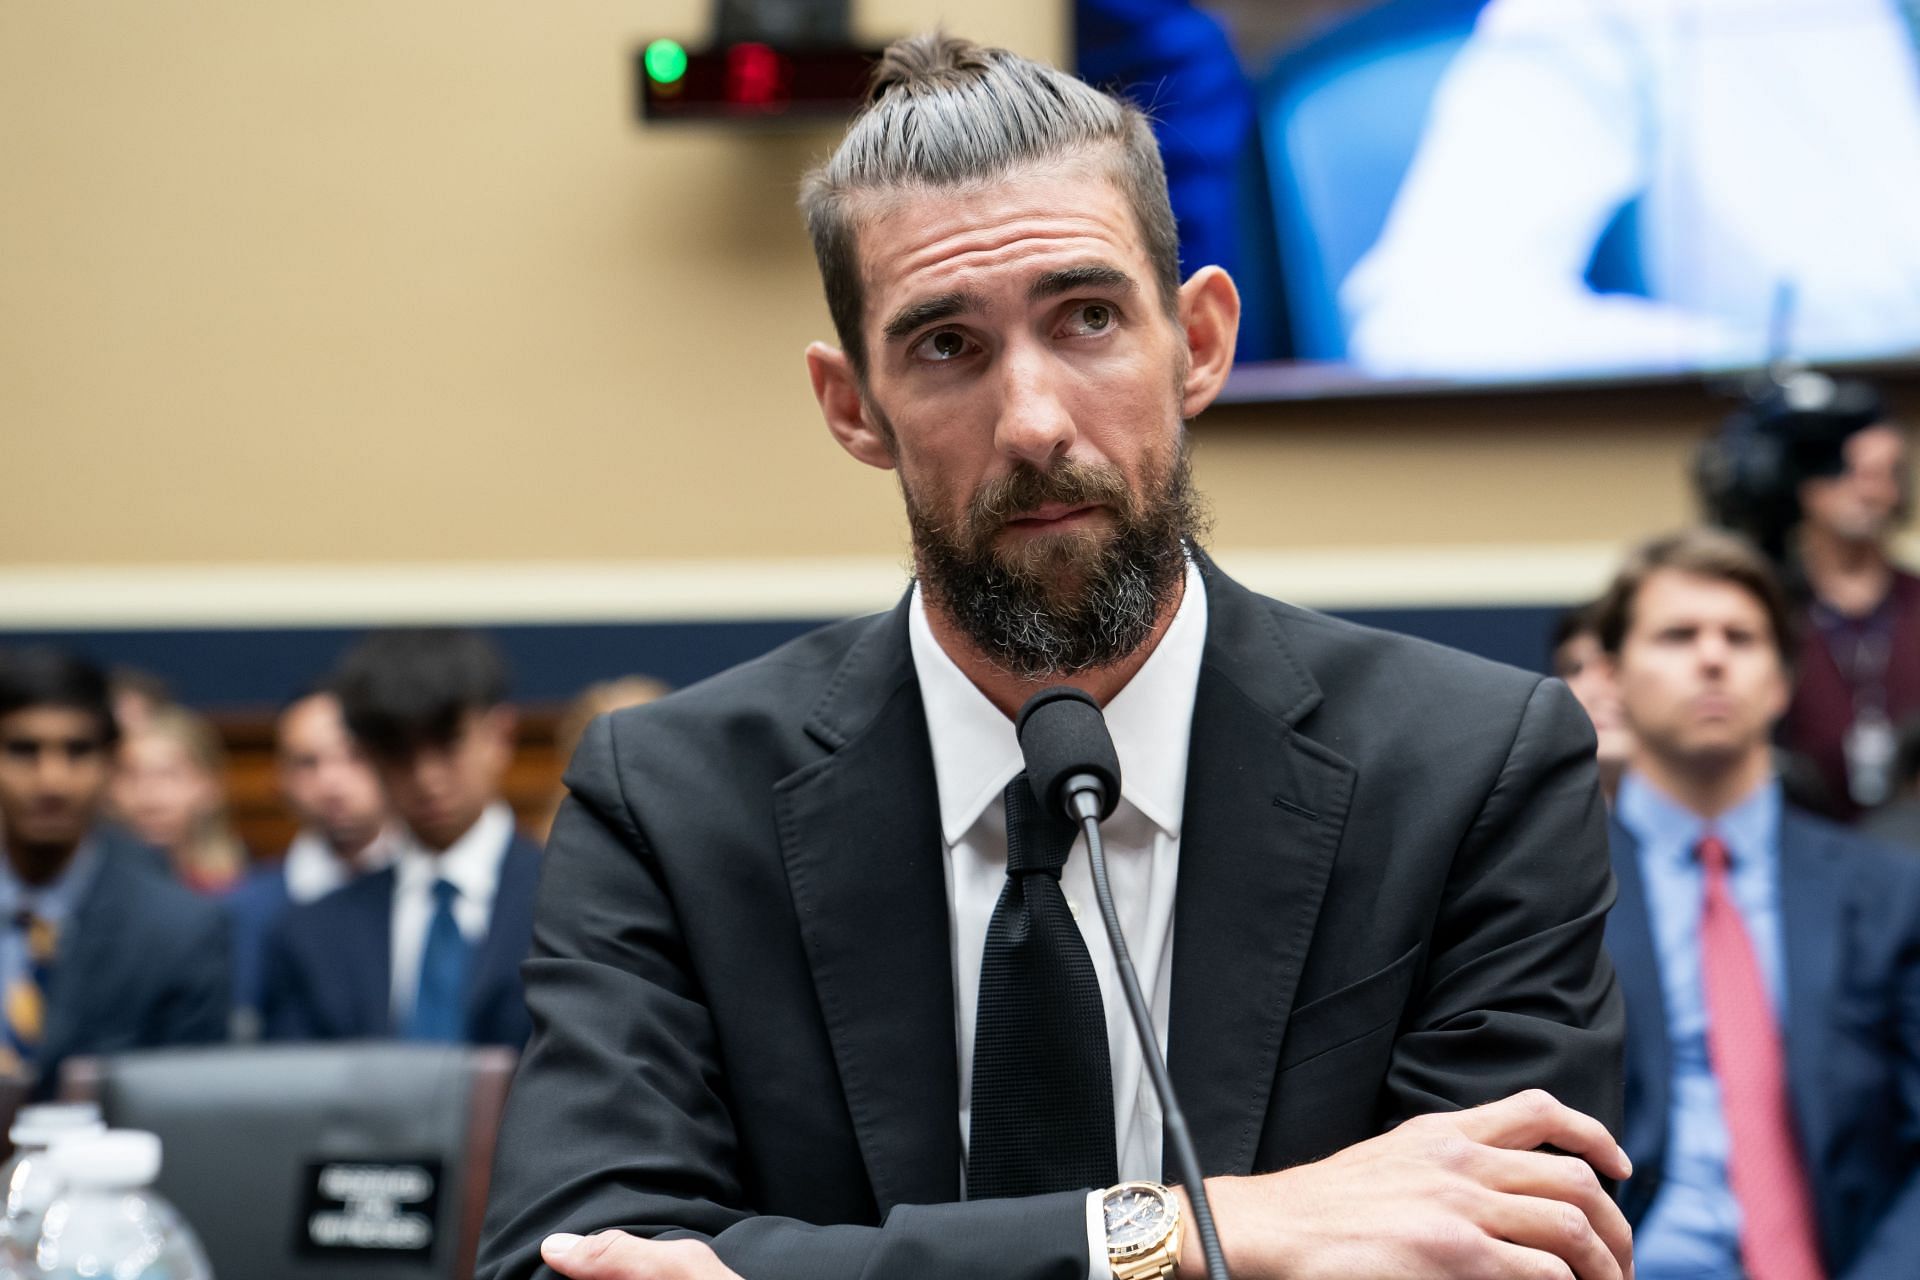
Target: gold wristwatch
<point>1143,1231</point>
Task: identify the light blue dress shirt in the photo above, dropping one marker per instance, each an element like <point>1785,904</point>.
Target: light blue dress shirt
<point>54,903</point>
<point>1692,1229</point>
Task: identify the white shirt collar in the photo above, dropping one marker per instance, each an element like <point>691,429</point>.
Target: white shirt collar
<point>314,870</point>
<point>472,862</point>
<point>975,752</point>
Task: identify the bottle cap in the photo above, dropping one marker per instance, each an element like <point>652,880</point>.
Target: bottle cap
<point>113,1158</point>
<point>37,1126</point>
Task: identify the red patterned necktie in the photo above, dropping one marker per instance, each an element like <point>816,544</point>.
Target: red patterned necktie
<point>1778,1237</point>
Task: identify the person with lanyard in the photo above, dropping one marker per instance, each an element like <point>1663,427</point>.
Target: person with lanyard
<point>102,951</point>
<point>1859,672</point>
<point>1770,960</point>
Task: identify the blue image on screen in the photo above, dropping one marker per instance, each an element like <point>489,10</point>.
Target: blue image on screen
<point>1382,190</point>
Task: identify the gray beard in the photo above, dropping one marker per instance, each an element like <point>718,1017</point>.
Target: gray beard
<point>1029,624</point>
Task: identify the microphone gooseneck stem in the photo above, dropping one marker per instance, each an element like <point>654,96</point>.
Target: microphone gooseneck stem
<point>1086,806</point>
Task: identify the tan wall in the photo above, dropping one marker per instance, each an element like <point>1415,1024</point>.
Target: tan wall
<point>364,281</point>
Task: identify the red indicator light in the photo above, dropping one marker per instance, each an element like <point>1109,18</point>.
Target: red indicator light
<point>756,76</point>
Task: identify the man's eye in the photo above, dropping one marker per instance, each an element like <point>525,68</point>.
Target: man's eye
<point>942,345</point>
<point>1091,317</point>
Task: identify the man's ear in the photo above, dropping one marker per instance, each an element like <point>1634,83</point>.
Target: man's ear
<point>837,388</point>
<point>1210,314</point>
<point>500,726</point>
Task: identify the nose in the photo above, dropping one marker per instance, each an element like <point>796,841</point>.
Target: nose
<point>1712,650</point>
<point>53,771</point>
<point>1035,425</point>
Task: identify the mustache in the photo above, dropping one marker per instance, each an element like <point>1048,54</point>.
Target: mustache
<point>1027,488</point>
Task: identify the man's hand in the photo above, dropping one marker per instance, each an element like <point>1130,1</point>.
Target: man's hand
<point>615,1255</point>
<point>1461,1193</point>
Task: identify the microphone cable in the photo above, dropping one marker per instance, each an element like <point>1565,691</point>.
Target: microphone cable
<point>1176,1122</point>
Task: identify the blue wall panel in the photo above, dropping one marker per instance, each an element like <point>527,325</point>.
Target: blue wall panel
<point>240,668</point>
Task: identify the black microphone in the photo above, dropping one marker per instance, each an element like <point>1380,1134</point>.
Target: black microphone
<point>1072,768</point>
<point>1069,753</point>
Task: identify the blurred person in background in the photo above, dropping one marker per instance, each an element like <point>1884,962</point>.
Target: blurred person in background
<point>100,951</point>
<point>1579,659</point>
<point>596,700</point>
<point>1897,822</point>
<point>430,947</point>
<point>170,788</point>
<point>1817,473</point>
<point>136,694</point>
<point>1860,668</point>
<point>1770,960</point>
<point>332,792</point>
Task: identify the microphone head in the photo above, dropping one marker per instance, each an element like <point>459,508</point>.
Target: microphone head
<point>1063,735</point>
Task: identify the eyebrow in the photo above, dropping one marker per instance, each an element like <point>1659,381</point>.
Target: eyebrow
<point>1092,275</point>
<point>943,306</point>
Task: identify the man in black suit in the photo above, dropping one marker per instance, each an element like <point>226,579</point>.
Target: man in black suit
<point>769,979</point>
<point>428,948</point>
<point>100,950</point>
<point>1771,960</point>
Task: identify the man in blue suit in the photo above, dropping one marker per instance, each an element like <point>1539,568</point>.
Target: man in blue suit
<point>430,947</point>
<point>100,950</point>
<point>1771,962</point>
<point>327,783</point>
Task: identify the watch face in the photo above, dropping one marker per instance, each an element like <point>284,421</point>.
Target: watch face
<point>1138,1216</point>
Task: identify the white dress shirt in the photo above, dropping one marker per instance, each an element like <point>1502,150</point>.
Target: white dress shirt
<point>1773,145</point>
<point>313,870</point>
<point>975,755</point>
<point>472,864</point>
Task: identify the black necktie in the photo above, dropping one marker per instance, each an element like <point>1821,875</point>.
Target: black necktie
<point>1042,1110</point>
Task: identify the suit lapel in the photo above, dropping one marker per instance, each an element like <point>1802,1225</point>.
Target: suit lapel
<point>509,930</point>
<point>1812,932</point>
<point>1637,966</point>
<point>1265,809</point>
<point>860,834</point>
<point>83,969</point>
<point>365,956</point>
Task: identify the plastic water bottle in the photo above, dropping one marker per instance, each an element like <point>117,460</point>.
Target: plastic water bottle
<point>28,1181</point>
<point>108,1223</point>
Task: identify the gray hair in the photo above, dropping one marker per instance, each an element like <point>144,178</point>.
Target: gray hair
<point>943,111</point>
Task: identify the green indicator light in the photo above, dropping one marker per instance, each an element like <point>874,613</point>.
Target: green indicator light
<point>666,61</point>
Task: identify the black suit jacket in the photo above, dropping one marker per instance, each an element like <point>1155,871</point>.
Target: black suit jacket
<point>1850,929</point>
<point>329,967</point>
<point>143,963</point>
<point>1392,882</point>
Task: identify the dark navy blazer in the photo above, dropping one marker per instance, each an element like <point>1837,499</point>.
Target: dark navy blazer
<point>142,963</point>
<point>254,906</point>
<point>329,973</point>
<point>1850,924</point>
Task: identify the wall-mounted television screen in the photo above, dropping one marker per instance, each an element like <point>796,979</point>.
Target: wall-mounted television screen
<point>1421,193</point>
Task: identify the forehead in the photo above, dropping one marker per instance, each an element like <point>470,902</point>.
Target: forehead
<point>1882,444</point>
<point>49,724</point>
<point>316,717</point>
<point>1670,595</point>
<point>995,235</point>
